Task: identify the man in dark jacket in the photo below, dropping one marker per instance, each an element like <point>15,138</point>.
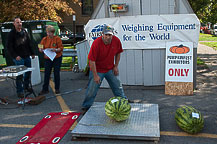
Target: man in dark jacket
<point>20,50</point>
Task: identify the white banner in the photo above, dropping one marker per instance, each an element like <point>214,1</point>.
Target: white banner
<point>179,62</point>
<point>148,31</point>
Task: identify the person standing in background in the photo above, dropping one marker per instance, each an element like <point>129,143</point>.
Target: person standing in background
<point>19,48</point>
<point>54,44</point>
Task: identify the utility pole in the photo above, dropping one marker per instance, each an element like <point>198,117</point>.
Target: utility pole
<point>74,19</point>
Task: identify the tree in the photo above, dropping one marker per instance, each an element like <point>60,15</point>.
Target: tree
<point>206,10</point>
<point>35,9</point>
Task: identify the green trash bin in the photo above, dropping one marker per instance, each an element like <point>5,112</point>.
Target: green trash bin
<point>36,30</point>
<point>5,29</point>
<point>2,59</point>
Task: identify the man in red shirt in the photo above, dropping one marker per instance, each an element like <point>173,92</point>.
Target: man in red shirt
<point>104,58</point>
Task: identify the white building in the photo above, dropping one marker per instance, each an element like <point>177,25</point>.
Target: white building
<point>144,66</point>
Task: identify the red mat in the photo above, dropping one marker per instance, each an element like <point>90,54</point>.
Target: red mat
<point>50,129</point>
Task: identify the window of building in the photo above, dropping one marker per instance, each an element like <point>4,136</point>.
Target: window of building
<point>87,7</point>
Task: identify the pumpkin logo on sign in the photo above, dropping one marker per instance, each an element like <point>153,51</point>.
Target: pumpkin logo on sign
<point>181,49</point>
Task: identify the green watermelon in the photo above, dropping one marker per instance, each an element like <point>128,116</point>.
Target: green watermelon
<point>189,119</point>
<point>117,108</point>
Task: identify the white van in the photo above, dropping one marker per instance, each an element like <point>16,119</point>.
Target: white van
<point>215,29</point>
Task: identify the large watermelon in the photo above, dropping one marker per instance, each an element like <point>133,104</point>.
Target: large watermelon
<point>189,119</point>
<point>117,108</point>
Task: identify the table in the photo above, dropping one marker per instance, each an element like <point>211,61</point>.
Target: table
<point>13,77</point>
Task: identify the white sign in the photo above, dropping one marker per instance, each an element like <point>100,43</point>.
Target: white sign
<point>114,100</point>
<point>195,115</point>
<point>179,62</point>
<point>148,31</point>
<point>74,17</point>
<point>50,53</point>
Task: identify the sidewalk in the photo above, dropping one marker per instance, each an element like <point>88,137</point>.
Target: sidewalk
<point>208,55</point>
<point>203,49</point>
<point>207,77</point>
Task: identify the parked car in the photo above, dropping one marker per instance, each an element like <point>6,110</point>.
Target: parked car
<point>205,30</point>
<point>215,29</point>
<point>67,36</point>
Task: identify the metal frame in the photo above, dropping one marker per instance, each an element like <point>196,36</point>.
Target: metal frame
<point>142,124</point>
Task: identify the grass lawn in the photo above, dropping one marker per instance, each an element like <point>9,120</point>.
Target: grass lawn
<point>207,37</point>
<point>201,63</point>
<point>210,44</point>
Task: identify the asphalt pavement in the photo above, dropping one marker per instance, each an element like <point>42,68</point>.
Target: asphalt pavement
<point>15,121</point>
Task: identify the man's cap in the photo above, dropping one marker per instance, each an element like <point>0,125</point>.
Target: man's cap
<point>107,29</point>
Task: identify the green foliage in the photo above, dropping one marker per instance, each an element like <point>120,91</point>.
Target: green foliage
<point>206,10</point>
<point>200,62</point>
<point>35,9</point>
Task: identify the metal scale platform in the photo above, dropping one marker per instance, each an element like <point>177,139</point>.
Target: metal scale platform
<point>142,124</point>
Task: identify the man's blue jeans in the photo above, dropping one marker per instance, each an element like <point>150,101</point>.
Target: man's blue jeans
<point>93,87</point>
<point>48,65</point>
<point>27,75</point>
